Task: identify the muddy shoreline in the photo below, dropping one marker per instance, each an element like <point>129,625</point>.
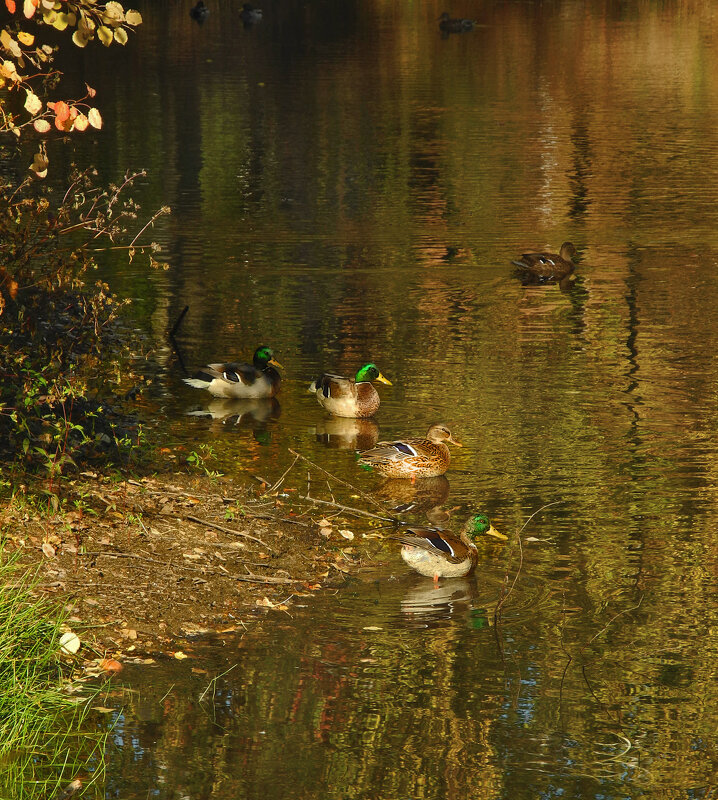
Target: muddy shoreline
<point>154,561</point>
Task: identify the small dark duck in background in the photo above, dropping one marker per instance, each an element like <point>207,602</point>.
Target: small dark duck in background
<point>449,25</point>
<point>250,15</point>
<point>546,267</point>
<point>199,12</point>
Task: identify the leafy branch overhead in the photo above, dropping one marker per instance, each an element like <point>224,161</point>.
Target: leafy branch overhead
<point>26,62</point>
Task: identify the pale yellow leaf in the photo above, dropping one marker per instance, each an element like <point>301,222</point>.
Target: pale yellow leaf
<point>59,21</point>
<point>33,104</point>
<point>42,125</point>
<point>103,709</point>
<point>114,11</point>
<point>133,17</point>
<point>94,118</point>
<point>81,122</point>
<point>69,642</point>
<point>26,38</point>
<point>179,655</point>
<point>29,8</point>
<point>121,36</point>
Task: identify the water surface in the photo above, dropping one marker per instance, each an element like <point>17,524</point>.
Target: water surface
<point>348,185</point>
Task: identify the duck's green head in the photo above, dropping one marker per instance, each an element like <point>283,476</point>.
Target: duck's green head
<point>263,356</point>
<point>370,372</point>
<point>480,525</point>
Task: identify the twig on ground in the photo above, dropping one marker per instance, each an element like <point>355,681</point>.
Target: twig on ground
<point>224,529</point>
<point>347,509</point>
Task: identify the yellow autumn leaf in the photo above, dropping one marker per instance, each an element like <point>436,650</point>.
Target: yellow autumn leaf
<point>29,8</point>
<point>104,34</point>
<point>26,38</point>
<point>49,17</point>
<point>94,118</point>
<point>42,125</point>
<point>81,122</point>
<point>121,36</point>
<point>80,39</point>
<point>133,17</point>
<point>9,70</point>
<point>60,22</point>
<point>115,11</point>
<point>10,44</point>
<point>179,655</point>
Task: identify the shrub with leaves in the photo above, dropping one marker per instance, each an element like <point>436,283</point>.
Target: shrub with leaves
<point>59,348</point>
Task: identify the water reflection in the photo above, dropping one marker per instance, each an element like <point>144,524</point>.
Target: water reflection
<point>428,605</point>
<point>343,433</point>
<point>347,185</point>
<point>253,413</point>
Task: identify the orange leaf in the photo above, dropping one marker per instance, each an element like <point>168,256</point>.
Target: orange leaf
<point>62,110</point>
<point>10,5</point>
<point>110,665</point>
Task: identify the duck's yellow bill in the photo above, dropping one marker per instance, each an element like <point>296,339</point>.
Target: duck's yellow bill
<point>275,363</point>
<point>382,379</point>
<point>453,441</point>
<point>493,532</point>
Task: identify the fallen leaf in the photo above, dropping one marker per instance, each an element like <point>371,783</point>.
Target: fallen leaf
<point>69,643</point>
<point>48,550</point>
<point>179,655</point>
<point>372,628</point>
<point>103,709</point>
<point>110,665</point>
<point>347,534</point>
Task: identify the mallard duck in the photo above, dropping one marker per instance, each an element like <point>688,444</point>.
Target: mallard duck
<point>548,266</point>
<point>449,25</point>
<point>349,397</point>
<point>258,379</point>
<point>441,554</point>
<point>412,458</point>
<point>199,12</point>
<point>250,15</point>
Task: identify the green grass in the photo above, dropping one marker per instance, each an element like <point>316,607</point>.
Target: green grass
<point>44,739</point>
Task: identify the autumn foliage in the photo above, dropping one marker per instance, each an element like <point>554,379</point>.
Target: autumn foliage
<point>25,65</point>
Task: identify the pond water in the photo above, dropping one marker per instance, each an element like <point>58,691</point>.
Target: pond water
<point>348,185</point>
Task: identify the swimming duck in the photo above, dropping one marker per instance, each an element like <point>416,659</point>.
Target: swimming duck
<point>449,25</point>
<point>258,379</point>
<point>199,12</point>
<point>548,266</point>
<point>441,554</point>
<point>250,15</point>
<point>349,397</point>
<point>412,458</point>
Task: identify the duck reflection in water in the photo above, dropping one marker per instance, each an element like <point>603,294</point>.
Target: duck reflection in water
<point>426,495</point>
<point>344,433</point>
<point>247,413</point>
<point>427,606</point>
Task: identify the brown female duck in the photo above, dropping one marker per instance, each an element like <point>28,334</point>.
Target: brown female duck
<point>548,266</point>
<point>412,458</point>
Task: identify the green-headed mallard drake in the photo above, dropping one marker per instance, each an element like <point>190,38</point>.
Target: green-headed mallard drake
<point>258,379</point>
<point>449,25</point>
<point>199,12</point>
<point>412,458</point>
<point>548,266</point>
<point>349,397</point>
<point>441,554</point>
